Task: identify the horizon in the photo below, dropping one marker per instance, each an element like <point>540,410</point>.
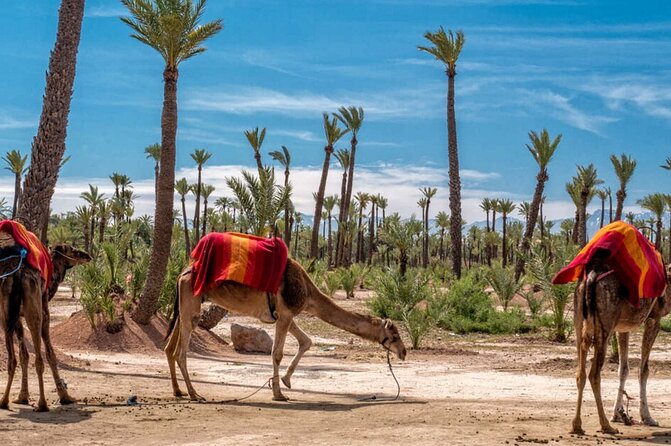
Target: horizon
<point>526,65</point>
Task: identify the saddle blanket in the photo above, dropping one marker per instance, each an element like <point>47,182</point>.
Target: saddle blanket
<point>38,256</point>
<point>253,261</point>
<point>635,261</point>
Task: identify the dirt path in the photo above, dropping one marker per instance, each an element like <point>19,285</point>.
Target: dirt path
<point>463,390</point>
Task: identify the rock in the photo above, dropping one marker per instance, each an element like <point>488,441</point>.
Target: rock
<point>250,340</point>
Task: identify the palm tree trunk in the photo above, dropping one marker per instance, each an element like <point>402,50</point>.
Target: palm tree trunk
<point>504,249</point>
<point>442,239</point>
<point>541,178</point>
<point>658,236</point>
<point>296,243</point>
<point>287,217</point>
<point>610,208</point>
<point>204,231</point>
<point>348,191</point>
<point>160,252</point>
<point>603,213</point>
<point>156,173</point>
<point>455,182</point>
<point>582,223</point>
<point>196,214</point>
<point>330,245</point>
<point>340,236</point>
<point>17,193</point>
<point>49,143</point>
<point>620,195</point>
<point>314,242</point>
<point>371,233</point>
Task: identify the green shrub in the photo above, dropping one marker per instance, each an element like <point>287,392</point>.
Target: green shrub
<point>331,283</point>
<point>535,304</point>
<point>504,284</point>
<point>348,280</point>
<point>138,274</point>
<point>93,285</point>
<point>417,322</point>
<point>176,265</point>
<point>666,324</point>
<point>396,295</point>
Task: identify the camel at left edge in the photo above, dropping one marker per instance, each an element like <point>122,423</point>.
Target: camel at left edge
<point>23,293</point>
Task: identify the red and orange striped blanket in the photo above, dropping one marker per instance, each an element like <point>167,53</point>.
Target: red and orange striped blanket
<point>635,261</point>
<point>38,256</point>
<point>246,259</point>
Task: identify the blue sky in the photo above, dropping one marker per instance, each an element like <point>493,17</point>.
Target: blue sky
<point>595,71</point>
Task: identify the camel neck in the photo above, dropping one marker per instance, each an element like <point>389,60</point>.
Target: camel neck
<point>57,277</point>
<point>325,309</point>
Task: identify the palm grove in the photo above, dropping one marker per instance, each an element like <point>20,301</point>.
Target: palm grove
<point>351,240</point>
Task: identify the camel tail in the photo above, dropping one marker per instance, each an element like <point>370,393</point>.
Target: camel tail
<point>14,304</point>
<point>589,295</point>
<point>175,313</point>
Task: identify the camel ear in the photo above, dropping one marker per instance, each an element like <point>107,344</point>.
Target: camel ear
<point>295,291</point>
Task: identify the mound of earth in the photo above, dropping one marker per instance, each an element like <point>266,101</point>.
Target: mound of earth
<point>76,333</point>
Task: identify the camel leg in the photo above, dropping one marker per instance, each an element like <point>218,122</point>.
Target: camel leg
<point>582,345</point>
<point>33,314</point>
<point>63,394</point>
<point>281,328</point>
<point>11,368</point>
<point>189,315</point>
<point>600,347</point>
<point>649,335</point>
<point>304,344</point>
<point>23,397</point>
<point>170,353</point>
<point>623,373</point>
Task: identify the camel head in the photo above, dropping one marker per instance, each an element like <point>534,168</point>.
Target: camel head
<point>391,340</point>
<point>69,256</point>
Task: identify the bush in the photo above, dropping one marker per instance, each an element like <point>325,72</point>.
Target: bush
<point>666,324</point>
<point>331,283</point>
<point>418,322</point>
<point>396,295</point>
<point>348,280</point>
<point>504,284</point>
<point>534,303</point>
<point>93,284</point>
<point>176,265</point>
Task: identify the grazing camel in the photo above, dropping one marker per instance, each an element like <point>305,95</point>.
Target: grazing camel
<point>21,294</point>
<point>600,309</point>
<point>297,293</point>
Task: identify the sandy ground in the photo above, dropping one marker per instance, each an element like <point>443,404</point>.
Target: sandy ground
<point>475,390</point>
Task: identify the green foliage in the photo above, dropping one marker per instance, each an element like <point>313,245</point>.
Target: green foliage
<point>534,303</point>
<point>666,324</point>
<point>331,283</point>
<point>348,280</point>
<point>418,322</point>
<point>138,274</point>
<point>112,264</point>
<point>108,307</point>
<point>504,284</point>
<point>397,295</point>
<point>93,284</point>
<point>176,265</point>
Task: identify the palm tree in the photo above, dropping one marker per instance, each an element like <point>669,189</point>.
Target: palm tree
<point>94,199</point>
<point>172,29</point>
<point>506,207</point>
<point>655,203</point>
<point>200,156</point>
<point>429,193</point>
<point>116,179</point>
<point>154,152</point>
<point>442,223</point>
<point>206,191</point>
<point>298,219</point>
<point>284,158</point>
<point>446,49</point>
<point>352,118</point>
<point>333,133</point>
<point>573,190</point>
<point>486,205</point>
<point>104,212</point>
<point>667,165</point>
<point>223,203</point>
<point>402,237</point>
<point>610,204</point>
<point>542,150</point>
<point>588,180</point>
<point>344,158</point>
<point>524,209</point>
<point>362,199</point>
<point>83,214</point>
<point>261,199</point>
<point>17,165</point>
<point>624,168</point>
<point>49,143</point>
<point>256,141</point>
<point>667,200</point>
<point>329,204</point>
<point>602,194</point>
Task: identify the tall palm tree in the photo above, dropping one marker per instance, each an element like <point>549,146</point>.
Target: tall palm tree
<point>362,199</point>
<point>200,156</point>
<point>329,203</point>
<point>667,200</point>
<point>442,223</point>
<point>541,149</point>
<point>610,204</point>
<point>333,133</point>
<point>49,143</point>
<point>154,152</point>
<point>624,169</point>
<point>206,191</point>
<point>17,165</point>
<point>116,179</point>
<point>573,190</point>
<point>172,28</point>
<point>256,141</point>
<point>506,207</point>
<point>602,194</point>
<point>655,203</point>
<point>104,212</point>
<point>429,193</point>
<point>667,164</point>
<point>344,158</point>
<point>284,158</point>
<point>371,226</point>
<point>446,48</point>
<point>83,214</point>
<point>588,180</point>
<point>524,210</point>
<point>486,205</point>
<point>352,118</point>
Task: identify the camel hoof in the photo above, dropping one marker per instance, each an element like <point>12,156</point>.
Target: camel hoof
<point>197,398</point>
<point>287,382</point>
<point>280,398</point>
<point>578,431</point>
<point>22,400</point>
<point>67,400</point>
<point>649,421</point>
<point>41,408</point>
<point>178,393</point>
<point>609,430</point>
<point>4,405</point>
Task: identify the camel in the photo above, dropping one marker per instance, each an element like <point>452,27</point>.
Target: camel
<point>297,294</point>
<point>601,308</point>
<point>21,294</point>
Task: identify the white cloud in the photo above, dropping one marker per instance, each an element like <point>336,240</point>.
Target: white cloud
<point>8,122</point>
<point>652,98</point>
<point>101,11</point>
<point>561,108</point>
<point>303,135</point>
